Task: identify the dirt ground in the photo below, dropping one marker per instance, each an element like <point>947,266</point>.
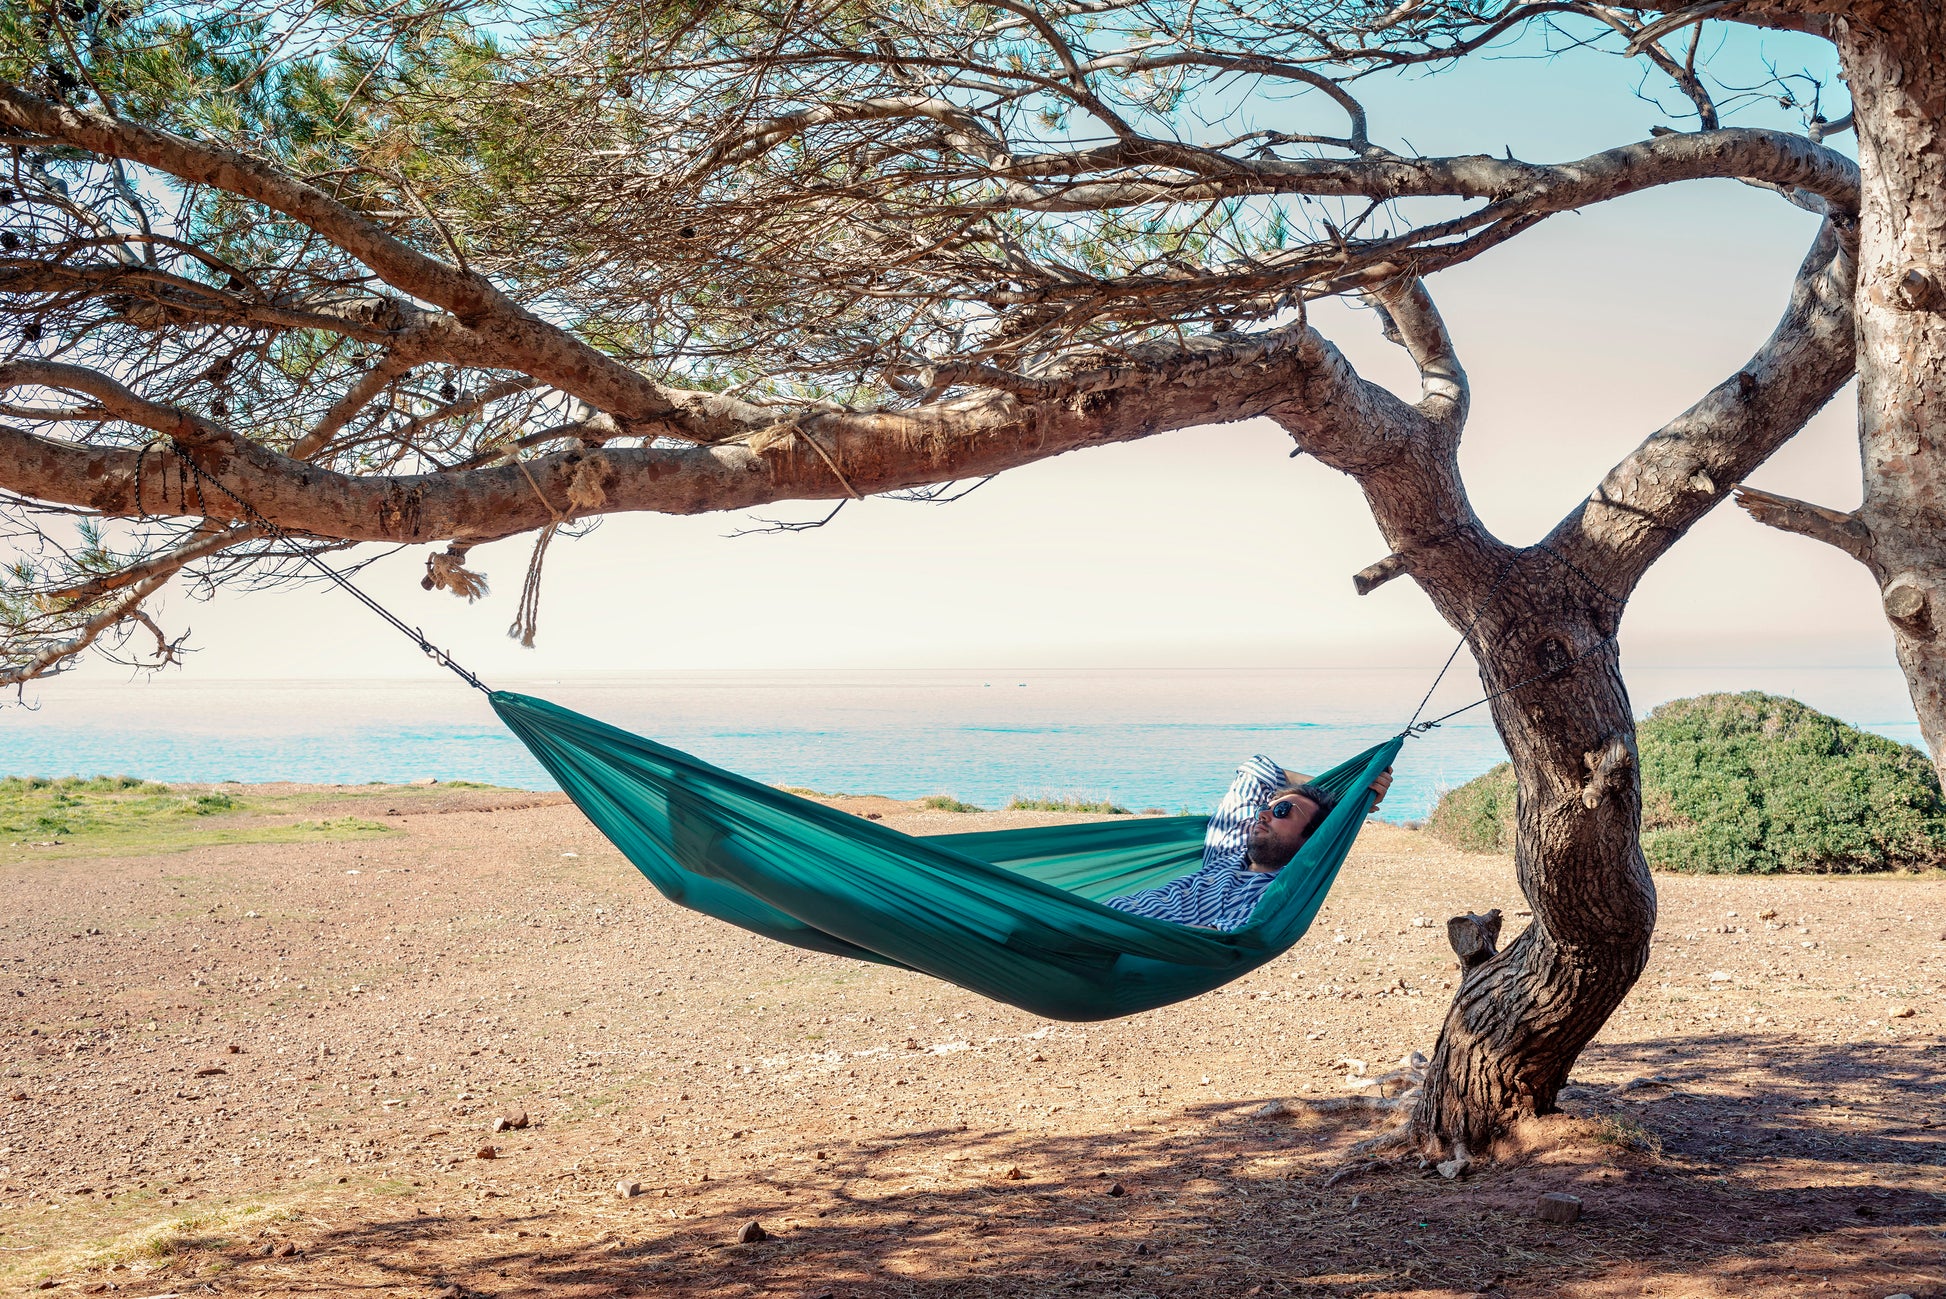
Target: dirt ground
<point>275,1069</point>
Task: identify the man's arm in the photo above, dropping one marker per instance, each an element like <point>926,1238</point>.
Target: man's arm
<point>1257,782</point>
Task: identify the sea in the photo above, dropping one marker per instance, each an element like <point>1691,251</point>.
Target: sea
<point>1142,738</point>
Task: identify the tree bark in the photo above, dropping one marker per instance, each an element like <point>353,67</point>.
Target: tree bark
<point>1522,1017</point>
<point>1894,59</point>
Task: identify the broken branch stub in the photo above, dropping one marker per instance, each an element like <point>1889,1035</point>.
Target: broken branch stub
<point>1368,579</point>
<point>1475,938</point>
<point>1906,605</point>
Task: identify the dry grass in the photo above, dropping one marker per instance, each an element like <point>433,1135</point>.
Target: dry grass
<point>143,1248</point>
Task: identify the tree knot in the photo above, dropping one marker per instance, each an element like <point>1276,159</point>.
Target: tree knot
<point>1607,769</point>
<point>1915,289</point>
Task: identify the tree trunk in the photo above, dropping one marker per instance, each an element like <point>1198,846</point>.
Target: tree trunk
<point>1894,56</point>
<point>1522,1017</point>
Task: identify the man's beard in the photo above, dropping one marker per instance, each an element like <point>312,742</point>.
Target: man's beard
<point>1262,850</point>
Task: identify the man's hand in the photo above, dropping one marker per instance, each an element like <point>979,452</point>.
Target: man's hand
<point>1380,786</point>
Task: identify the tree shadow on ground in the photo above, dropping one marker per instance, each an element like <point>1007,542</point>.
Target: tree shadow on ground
<point>1733,1165</point>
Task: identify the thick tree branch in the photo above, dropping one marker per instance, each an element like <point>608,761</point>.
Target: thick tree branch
<point>1238,379</point>
<point>1776,157</point>
<point>1646,502</point>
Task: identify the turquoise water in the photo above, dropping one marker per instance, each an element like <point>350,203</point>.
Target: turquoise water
<point>1166,739</point>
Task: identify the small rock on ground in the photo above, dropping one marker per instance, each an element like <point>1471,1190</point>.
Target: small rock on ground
<point>1557,1206</point>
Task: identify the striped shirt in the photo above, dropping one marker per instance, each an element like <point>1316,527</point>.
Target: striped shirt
<point>1222,892</point>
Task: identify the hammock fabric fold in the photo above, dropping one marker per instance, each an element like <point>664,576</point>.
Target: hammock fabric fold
<point>1014,915</point>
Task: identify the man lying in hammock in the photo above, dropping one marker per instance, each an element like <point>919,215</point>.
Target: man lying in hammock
<point>1255,831</point>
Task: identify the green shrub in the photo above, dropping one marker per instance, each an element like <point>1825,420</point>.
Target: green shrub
<point>1479,815</point>
<point>947,803</point>
<point>1100,807</point>
<point>1750,783</point>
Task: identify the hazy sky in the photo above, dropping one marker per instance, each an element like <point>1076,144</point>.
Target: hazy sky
<point>1581,336</point>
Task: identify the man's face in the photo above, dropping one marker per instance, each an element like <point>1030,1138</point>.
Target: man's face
<point>1279,831</point>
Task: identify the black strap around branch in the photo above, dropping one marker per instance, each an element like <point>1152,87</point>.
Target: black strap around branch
<point>415,635</point>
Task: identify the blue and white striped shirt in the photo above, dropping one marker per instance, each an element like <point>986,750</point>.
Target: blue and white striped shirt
<point>1223,892</point>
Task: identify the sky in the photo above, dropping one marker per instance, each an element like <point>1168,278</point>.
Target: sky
<point>1210,547</point>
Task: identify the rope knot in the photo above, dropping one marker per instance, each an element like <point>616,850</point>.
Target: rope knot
<point>446,571</point>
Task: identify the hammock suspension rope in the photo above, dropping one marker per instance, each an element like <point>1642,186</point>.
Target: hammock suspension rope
<point>414,634</point>
<point>1417,727</point>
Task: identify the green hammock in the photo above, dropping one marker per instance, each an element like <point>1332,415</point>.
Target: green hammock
<point>1014,915</point>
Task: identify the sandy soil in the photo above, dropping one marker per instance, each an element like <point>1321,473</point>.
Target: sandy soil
<point>274,1069</point>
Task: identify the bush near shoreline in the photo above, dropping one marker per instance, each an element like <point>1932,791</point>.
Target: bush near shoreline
<point>1749,784</point>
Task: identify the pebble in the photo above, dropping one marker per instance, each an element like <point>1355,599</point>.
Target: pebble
<point>516,1120</point>
<point>1013,1174</point>
<point>752,1232</point>
<point>1117,1189</point>
<point>1900,1012</point>
<point>628,1190</point>
<point>212,1071</point>
<point>486,1152</point>
<point>1557,1206</point>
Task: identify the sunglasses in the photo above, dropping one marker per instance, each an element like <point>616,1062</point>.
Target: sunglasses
<point>1285,810</point>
